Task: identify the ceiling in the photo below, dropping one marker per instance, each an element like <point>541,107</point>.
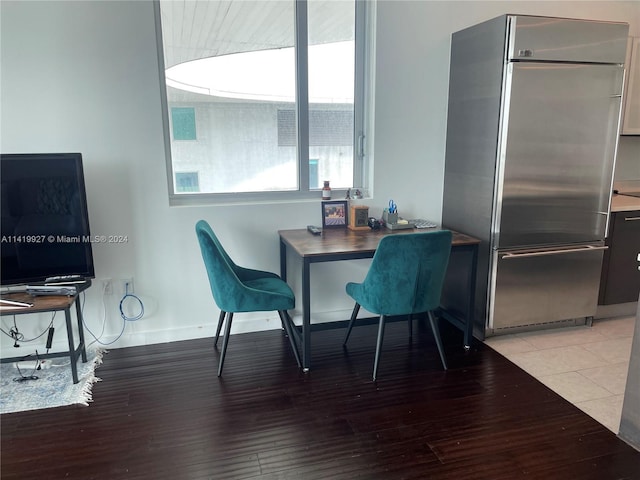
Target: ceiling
<point>200,29</point>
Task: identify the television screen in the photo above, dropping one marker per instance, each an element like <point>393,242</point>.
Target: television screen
<point>45,223</point>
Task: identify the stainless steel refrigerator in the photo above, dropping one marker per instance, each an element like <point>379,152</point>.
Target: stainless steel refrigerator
<point>532,131</point>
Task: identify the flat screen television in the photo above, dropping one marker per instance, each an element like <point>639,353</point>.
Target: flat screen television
<point>45,223</point>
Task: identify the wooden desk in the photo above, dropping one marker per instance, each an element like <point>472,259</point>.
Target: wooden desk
<point>344,244</point>
<point>53,304</point>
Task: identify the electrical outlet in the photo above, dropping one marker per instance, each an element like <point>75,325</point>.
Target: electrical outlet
<point>107,286</point>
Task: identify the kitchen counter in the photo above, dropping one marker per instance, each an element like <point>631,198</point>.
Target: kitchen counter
<point>624,203</point>
<point>620,279</point>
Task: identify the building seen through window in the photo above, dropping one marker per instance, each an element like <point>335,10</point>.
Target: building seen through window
<point>235,84</point>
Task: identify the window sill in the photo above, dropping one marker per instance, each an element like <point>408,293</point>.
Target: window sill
<point>225,199</point>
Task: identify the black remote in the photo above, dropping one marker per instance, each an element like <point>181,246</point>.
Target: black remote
<point>314,230</point>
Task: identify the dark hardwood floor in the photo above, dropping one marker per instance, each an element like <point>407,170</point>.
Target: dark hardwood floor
<point>161,413</point>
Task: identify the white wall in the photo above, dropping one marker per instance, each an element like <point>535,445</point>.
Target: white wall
<point>82,76</point>
<point>628,162</point>
<point>413,40</point>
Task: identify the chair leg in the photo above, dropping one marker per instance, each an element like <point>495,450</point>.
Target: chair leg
<point>436,335</point>
<point>354,314</point>
<point>288,329</point>
<point>378,346</point>
<point>410,326</point>
<point>220,322</point>
<point>225,342</point>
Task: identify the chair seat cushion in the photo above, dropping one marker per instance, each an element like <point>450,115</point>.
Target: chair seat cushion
<point>265,294</point>
<point>374,302</point>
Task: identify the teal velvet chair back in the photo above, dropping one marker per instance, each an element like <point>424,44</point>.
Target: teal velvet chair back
<point>238,289</point>
<point>224,283</point>
<point>406,277</point>
<point>406,274</point>
<point>205,235</point>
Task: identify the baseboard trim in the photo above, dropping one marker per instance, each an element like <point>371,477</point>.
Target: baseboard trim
<point>616,310</point>
<point>245,325</point>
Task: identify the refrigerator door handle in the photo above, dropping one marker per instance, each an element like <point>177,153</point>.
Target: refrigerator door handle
<point>587,248</point>
<point>606,224</point>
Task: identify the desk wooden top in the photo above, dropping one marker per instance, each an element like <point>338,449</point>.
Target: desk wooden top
<point>345,241</point>
<point>41,303</point>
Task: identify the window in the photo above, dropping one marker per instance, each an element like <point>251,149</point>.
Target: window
<point>264,99</point>
<point>183,123</point>
<point>187,182</point>
<point>330,142</point>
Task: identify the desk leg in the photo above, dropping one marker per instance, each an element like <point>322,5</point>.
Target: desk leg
<point>72,352</point>
<point>81,331</point>
<point>306,315</point>
<point>283,261</point>
<point>471,286</point>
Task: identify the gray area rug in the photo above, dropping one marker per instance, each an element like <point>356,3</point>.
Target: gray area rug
<point>54,386</point>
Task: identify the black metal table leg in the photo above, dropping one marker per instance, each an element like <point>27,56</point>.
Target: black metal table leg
<point>72,351</point>
<point>82,345</point>
<point>283,260</point>
<point>471,286</point>
<point>306,315</point>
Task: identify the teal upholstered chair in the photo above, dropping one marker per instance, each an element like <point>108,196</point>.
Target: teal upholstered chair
<point>237,289</point>
<point>405,278</point>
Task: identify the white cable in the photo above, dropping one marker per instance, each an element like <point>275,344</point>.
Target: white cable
<point>104,321</point>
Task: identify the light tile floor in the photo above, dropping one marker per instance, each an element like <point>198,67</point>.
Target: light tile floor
<point>585,365</point>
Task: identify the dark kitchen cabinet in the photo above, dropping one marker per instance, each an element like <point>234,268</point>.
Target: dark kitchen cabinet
<point>620,281</point>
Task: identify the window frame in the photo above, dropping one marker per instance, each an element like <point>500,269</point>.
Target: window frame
<point>363,124</point>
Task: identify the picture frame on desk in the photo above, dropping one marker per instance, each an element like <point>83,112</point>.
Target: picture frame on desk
<point>358,217</point>
<point>334,214</point>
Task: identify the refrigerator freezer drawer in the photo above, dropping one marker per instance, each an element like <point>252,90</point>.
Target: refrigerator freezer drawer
<point>542,286</point>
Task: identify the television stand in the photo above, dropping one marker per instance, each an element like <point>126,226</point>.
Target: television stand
<point>48,303</point>
<point>13,304</point>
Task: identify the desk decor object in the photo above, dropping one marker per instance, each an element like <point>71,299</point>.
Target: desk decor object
<point>358,217</point>
<point>389,217</point>
<point>334,214</point>
<point>326,191</point>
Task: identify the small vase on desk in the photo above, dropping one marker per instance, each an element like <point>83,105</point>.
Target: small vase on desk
<point>326,191</point>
